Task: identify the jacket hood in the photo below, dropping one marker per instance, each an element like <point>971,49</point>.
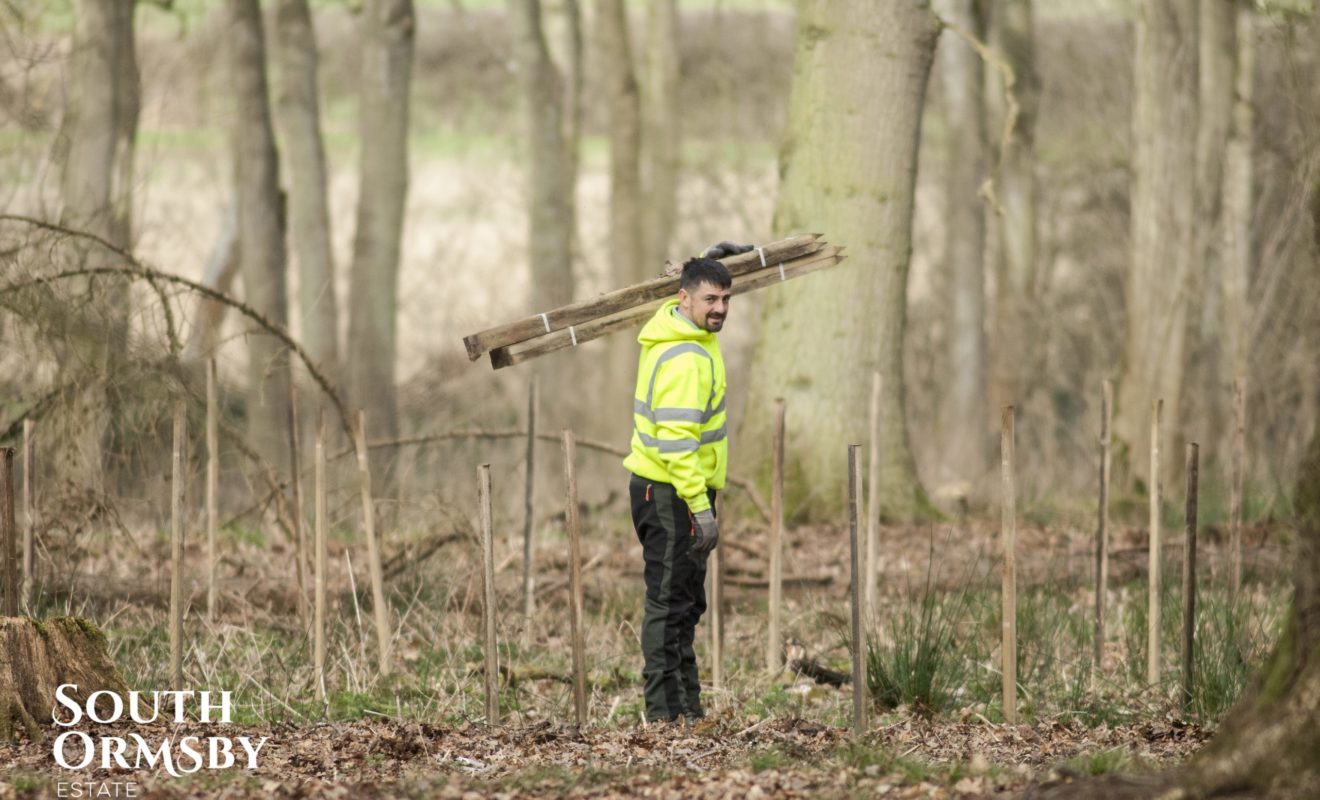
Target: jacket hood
<point>668,325</point>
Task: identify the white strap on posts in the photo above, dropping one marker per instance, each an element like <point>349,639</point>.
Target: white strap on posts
<point>761,252</point>
<point>572,334</point>
<point>545,321</point>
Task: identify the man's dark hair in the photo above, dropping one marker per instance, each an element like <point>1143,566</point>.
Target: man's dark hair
<point>704,270</point>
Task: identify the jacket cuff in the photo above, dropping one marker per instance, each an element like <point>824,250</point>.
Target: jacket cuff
<point>698,504</point>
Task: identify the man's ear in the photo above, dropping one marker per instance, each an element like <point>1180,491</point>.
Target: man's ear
<point>682,295</point>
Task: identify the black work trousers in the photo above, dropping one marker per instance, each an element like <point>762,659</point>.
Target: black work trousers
<point>675,576</point>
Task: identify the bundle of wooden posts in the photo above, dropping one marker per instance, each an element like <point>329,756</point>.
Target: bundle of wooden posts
<point>627,308</point>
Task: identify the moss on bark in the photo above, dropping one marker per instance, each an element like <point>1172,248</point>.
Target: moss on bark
<point>37,657</point>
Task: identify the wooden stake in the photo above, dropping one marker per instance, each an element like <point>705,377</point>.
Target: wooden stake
<point>715,566</point>
<point>8,532</point>
<point>872,568</point>
<point>212,486</point>
<point>774,645</point>
<point>318,627</point>
<point>574,335</point>
<point>529,496</point>
<point>1156,576</point>
<point>384,635</point>
<point>586,311</point>
<point>299,535</point>
<point>1189,575</point>
<point>861,688</point>
<point>488,606</point>
<point>177,479</point>
<point>1239,464</point>
<point>30,516</point>
<point>574,524</point>
<point>1102,529</point>
<point>1008,537</point>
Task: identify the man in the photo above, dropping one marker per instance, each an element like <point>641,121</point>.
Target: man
<point>678,460</point>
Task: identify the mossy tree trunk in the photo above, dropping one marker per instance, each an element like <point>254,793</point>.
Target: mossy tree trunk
<point>848,165</point>
<point>37,657</point>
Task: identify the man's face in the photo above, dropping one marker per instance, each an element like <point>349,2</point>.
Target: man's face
<point>706,305</point>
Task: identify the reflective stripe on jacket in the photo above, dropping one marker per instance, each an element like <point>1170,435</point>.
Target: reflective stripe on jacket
<point>679,423</point>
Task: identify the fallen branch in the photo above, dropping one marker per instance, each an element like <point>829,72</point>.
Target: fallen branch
<point>789,580</point>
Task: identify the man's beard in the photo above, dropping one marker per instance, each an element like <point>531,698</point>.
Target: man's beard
<point>714,324</point>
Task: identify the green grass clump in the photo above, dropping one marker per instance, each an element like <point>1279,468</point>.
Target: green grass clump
<point>922,663</point>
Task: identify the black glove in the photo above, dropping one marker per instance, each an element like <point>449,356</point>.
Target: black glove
<point>726,249</point>
<point>705,531</point>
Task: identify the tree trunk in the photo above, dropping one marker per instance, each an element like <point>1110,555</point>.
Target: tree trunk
<point>1015,358</point>
<point>100,128</point>
<point>1238,201</point>
<point>663,128</point>
<point>968,417</point>
<point>219,273</point>
<point>848,166</point>
<point>1209,374</point>
<point>553,122</point>
<point>260,231</point>
<point>387,59</point>
<point>299,111</point>
<point>626,245</point>
<point>1163,241</point>
<point>37,657</point>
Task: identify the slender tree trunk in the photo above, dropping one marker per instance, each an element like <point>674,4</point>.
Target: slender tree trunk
<point>1238,176</point>
<point>627,247</point>
<point>552,125</point>
<point>1207,406</point>
<point>100,129</point>
<point>260,230</point>
<point>848,162</point>
<point>299,114</point>
<point>967,415</point>
<point>663,129</point>
<point>219,273</point>
<point>387,60</point>
<point>1015,359</point>
<point>1160,274</point>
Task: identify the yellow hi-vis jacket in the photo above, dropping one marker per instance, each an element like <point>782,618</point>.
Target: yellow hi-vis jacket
<point>679,422</point>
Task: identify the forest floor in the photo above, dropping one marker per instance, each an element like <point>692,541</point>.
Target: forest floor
<point>422,732</point>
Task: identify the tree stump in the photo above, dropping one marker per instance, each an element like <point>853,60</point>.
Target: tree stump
<point>36,657</point>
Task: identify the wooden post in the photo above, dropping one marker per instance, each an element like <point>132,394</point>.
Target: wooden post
<point>774,644</point>
<point>1156,576</point>
<point>318,626</point>
<point>295,486</point>
<point>177,479</point>
<point>574,524</point>
<point>861,688</point>
<point>29,516</point>
<point>1239,468</point>
<point>384,636</point>
<point>1008,538</point>
<point>1189,575</point>
<point>212,486</point>
<point>488,584</point>
<point>1102,528</point>
<point>529,496</point>
<point>715,566</point>
<point>871,570</point>
<point>8,533</point>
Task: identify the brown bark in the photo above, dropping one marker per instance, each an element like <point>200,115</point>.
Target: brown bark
<point>1163,199</point>
<point>1236,255</point>
<point>260,230</point>
<point>967,415</point>
<point>299,113</point>
<point>663,134</point>
<point>1015,355</point>
<point>552,123</point>
<point>848,166</point>
<point>626,245</point>
<point>100,130</point>
<point>387,61</point>
<point>37,657</point>
<point>1212,378</point>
